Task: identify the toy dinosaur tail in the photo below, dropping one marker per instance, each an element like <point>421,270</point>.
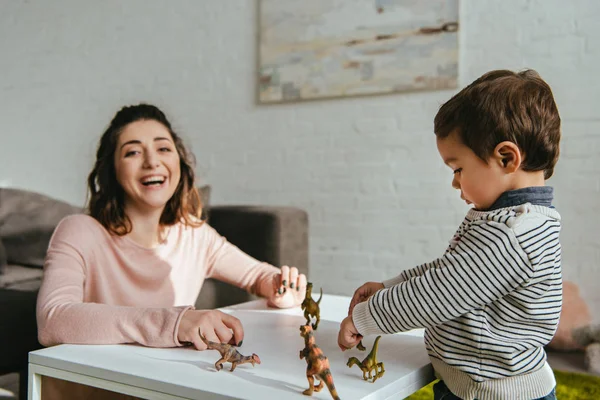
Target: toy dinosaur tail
<point>375,346</point>
<point>209,344</point>
<point>203,338</point>
<point>318,301</point>
<point>328,379</point>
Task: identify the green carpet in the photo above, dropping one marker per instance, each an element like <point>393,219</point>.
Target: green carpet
<point>569,386</point>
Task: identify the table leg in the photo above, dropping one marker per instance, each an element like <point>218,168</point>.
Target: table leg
<point>34,385</point>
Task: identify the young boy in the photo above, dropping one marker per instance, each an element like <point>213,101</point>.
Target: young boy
<point>492,301</point>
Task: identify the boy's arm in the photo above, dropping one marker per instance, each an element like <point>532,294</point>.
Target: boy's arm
<point>421,269</point>
<point>485,265</point>
<point>409,273</point>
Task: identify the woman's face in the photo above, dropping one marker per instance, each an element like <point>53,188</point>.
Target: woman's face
<point>147,165</point>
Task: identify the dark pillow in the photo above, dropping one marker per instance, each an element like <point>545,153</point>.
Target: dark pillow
<point>205,197</point>
<point>27,221</point>
<point>3,261</point>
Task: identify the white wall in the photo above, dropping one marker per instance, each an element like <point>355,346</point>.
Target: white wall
<point>366,169</point>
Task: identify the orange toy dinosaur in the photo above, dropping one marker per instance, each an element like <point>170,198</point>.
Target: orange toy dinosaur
<point>229,354</point>
<point>317,364</point>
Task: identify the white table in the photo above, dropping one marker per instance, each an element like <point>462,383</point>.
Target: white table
<point>184,373</point>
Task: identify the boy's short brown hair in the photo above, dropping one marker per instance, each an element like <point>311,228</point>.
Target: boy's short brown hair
<point>503,106</point>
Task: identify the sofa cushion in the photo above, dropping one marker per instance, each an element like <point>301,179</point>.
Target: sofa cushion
<point>27,221</point>
<point>18,277</point>
<point>3,261</point>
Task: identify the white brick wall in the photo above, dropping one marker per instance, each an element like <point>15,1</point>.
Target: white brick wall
<point>366,169</point>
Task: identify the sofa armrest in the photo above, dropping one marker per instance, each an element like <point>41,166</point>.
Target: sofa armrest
<point>276,235</point>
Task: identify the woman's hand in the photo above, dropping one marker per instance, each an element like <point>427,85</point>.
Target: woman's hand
<point>363,293</point>
<point>289,288</point>
<point>215,325</point>
<point>348,336</point>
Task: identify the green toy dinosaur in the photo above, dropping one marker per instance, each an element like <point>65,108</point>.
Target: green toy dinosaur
<point>369,364</point>
<point>311,307</point>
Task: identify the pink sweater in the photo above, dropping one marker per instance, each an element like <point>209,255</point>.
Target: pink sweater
<point>100,288</point>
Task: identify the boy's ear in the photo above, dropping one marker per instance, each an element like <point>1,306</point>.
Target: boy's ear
<point>508,155</point>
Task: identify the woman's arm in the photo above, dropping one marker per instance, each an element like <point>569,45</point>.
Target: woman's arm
<point>64,317</point>
<point>283,287</point>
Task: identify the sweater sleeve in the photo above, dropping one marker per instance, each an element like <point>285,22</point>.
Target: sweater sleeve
<point>421,269</point>
<point>64,317</point>
<point>226,262</point>
<point>487,263</point>
<point>408,274</point>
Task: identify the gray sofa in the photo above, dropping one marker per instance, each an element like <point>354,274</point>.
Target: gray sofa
<point>277,235</point>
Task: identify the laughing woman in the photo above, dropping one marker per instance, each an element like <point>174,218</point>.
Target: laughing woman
<point>130,271</point>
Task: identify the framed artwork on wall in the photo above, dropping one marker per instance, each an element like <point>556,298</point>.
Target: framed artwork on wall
<point>314,49</point>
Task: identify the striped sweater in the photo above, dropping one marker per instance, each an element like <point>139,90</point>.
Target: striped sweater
<point>489,304</point>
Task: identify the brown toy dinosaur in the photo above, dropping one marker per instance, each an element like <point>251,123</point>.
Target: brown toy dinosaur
<point>311,307</point>
<point>317,364</point>
<point>229,354</point>
<point>369,364</point>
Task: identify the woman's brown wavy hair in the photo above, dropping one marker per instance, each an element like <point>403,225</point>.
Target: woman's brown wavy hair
<point>106,196</point>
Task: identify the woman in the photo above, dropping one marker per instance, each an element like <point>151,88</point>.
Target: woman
<point>130,271</point>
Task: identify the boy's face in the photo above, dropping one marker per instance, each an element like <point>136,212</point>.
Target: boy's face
<point>480,183</point>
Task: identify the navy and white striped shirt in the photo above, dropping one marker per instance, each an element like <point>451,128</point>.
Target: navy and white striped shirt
<point>489,304</point>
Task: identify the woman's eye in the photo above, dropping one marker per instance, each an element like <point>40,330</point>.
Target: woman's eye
<point>131,153</point>
<point>457,171</point>
<point>165,149</point>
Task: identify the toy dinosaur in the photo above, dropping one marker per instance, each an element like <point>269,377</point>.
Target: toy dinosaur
<point>369,364</point>
<point>311,307</point>
<point>317,364</point>
<point>229,354</point>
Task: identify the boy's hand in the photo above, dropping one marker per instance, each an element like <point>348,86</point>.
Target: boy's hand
<point>363,293</point>
<point>348,337</point>
<point>289,288</point>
